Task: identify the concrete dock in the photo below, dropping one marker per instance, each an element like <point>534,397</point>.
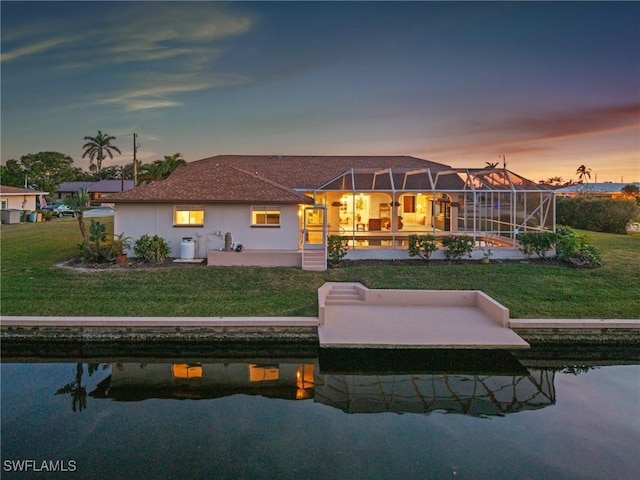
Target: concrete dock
<point>353,316</point>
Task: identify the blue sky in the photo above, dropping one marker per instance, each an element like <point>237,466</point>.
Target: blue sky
<point>549,85</point>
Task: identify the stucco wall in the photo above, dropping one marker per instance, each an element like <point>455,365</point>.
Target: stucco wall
<point>19,202</point>
<point>136,220</point>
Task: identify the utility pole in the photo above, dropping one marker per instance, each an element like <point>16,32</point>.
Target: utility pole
<point>504,161</point>
<point>135,159</point>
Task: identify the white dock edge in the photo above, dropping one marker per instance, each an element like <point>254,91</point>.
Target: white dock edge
<point>572,324</point>
<point>167,322</point>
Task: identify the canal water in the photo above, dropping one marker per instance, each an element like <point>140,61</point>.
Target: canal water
<point>335,415</point>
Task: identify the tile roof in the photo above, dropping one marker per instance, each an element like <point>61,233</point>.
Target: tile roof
<point>258,178</point>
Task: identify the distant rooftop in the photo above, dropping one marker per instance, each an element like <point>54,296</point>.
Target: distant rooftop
<point>101,186</point>
<point>603,187</point>
<point>6,190</point>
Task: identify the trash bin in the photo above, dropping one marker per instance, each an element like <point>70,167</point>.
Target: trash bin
<point>32,217</point>
<point>10,216</point>
<point>187,249</point>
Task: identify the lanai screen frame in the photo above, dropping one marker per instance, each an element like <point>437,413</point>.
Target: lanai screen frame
<point>493,194</point>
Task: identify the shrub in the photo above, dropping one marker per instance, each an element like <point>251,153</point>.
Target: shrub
<point>422,246</point>
<point>609,215</point>
<point>336,249</point>
<point>574,249</point>
<point>151,249</point>
<point>96,250</point>
<point>537,242</point>
<point>456,247</point>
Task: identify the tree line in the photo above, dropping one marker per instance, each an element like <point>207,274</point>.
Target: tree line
<point>47,170</point>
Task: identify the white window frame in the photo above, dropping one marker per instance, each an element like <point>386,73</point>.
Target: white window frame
<point>188,208</point>
<point>266,210</point>
<point>3,204</point>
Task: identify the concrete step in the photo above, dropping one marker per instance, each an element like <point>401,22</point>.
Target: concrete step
<point>344,295</point>
<point>319,268</point>
<point>314,260</point>
<point>315,263</point>
<point>343,302</point>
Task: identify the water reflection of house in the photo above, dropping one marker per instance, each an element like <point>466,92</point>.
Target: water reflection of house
<point>140,381</point>
<point>470,394</point>
<point>467,394</point>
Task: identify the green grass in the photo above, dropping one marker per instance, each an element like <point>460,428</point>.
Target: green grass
<point>33,285</point>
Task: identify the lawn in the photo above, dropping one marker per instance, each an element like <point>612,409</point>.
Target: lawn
<point>32,284</point>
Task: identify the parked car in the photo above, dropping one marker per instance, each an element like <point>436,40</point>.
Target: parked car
<point>60,210</point>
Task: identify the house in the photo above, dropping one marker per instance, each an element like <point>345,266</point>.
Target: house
<point>283,208</point>
<point>603,189</point>
<point>95,189</point>
<point>18,199</point>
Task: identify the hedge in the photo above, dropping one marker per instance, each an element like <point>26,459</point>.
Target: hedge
<point>608,215</point>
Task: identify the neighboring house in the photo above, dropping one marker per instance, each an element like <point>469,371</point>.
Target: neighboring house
<point>604,189</point>
<point>16,198</point>
<point>282,208</point>
<point>95,189</point>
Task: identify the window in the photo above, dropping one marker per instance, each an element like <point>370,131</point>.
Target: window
<point>188,215</point>
<point>265,216</point>
<point>3,204</point>
<point>263,373</point>
<point>186,370</point>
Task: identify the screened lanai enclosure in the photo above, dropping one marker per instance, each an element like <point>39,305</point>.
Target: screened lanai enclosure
<point>380,209</point>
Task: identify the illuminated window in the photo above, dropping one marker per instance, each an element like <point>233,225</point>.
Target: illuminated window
<point>265,217</point>
<point>186,370</point>
<point>263,373</point>
<point>304,381</point>
<point>192,215</point>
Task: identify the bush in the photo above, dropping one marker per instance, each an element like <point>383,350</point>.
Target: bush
<point>457,247</point>
<point>336,249</point>
<point>574,249</point>
<point>422,246</point>
<point>96,250</point>
<point>151,249</point>
<point>537,242</point>
<point>608,215</point>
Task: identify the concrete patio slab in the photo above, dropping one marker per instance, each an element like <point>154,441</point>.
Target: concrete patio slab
<point>415,327</point>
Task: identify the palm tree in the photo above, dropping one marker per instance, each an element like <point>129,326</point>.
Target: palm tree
<point>491,165</point>
<point>552,181</point>
<point>583,172</point>
<point>160,169</point>
<point>80,202</point>
<point>96,148</point>
<point>172,162</point>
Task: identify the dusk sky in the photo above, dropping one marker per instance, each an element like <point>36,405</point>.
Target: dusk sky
<point>549,85</point>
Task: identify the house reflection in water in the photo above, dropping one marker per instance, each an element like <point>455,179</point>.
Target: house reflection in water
<point>476,395</point>
<point>470,394</point>
<point>140,381</point>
